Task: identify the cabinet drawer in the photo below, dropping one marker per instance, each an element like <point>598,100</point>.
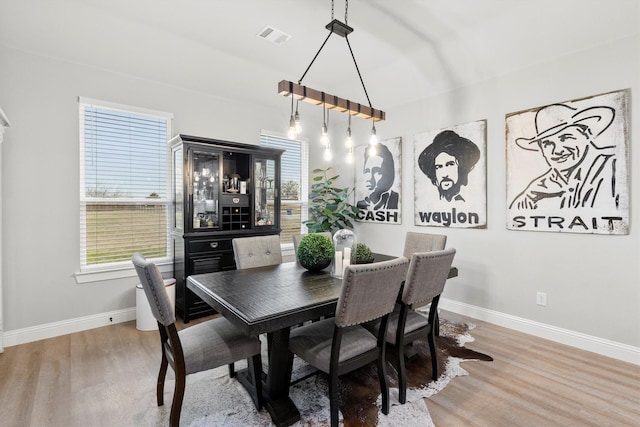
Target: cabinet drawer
<point>209,245</point>
<point>221,262</point>
<point>235,199</point>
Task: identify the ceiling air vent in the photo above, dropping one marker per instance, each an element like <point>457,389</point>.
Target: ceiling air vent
<point>273,35</point>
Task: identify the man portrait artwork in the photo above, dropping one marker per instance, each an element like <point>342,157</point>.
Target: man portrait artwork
<point>567,167</point>
<point>447,163</point>
<point>450,177</point>
<point>377,186</point>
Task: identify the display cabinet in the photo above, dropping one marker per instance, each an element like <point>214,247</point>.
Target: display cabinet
<point>221,190</point>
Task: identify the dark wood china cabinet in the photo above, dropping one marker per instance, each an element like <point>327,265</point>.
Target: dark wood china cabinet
<point>221,190</point>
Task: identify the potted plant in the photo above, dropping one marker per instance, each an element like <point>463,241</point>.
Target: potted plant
<point>329,208</point>
<point>363,254</point>
<point>315,252</point>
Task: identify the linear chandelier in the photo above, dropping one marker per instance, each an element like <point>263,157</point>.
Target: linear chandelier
<point>299,92</point>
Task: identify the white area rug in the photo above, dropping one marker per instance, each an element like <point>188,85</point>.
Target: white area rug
<point>214,399</point>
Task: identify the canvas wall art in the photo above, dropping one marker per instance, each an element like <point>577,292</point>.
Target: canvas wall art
<point>567,166</point>
<point>378,181</point>
<point>450,177</point>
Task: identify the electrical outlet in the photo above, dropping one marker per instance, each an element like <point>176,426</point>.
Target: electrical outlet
<point>541,299</point>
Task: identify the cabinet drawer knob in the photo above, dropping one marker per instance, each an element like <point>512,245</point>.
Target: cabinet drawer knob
<point>213,244</point>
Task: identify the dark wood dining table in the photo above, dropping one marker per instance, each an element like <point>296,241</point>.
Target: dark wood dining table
<point>271,300</point>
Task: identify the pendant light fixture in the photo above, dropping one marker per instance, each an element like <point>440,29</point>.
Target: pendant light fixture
<point>348,142</point>
<point>332,102</point>
<point>296,118</point>
<point>325,134</point>
<point>373,140</point>
<point>293,130</point>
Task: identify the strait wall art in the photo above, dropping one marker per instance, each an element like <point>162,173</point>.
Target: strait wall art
<point>567,166</point>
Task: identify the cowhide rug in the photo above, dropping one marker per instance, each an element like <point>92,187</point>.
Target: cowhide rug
<point>213,399</point>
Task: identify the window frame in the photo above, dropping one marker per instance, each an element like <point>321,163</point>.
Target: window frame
<point>120,269</point>
<point>287,248</point>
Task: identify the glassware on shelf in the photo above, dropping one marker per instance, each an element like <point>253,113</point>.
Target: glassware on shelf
<point>344,242</point>
<point>234,183</point>
<point>225,182</point>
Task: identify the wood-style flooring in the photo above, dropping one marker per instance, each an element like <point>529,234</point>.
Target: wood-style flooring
<point>82,379</point>
<point>536,382</point>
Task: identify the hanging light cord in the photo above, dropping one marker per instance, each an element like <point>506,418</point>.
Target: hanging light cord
<point>346,37</point>
<point>358,70</point>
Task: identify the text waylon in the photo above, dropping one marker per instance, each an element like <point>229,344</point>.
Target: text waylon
<point>447,218</point>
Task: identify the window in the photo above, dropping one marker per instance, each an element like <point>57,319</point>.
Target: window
<point>294,184</point>
<point>124,197</point>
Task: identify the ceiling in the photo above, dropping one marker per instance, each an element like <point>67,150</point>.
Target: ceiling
<point>411,48</point>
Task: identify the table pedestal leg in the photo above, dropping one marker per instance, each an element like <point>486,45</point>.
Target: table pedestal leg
<point>276,388</point>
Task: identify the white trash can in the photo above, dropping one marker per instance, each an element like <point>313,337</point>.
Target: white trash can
<point>144,318</point>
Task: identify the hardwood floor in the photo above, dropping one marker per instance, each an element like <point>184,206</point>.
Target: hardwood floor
<point>83,379</point>
<point>536,382</point>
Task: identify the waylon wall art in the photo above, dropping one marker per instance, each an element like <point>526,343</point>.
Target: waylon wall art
<point>378,181</point>
<point>450,177</point>
<point>567,166</point>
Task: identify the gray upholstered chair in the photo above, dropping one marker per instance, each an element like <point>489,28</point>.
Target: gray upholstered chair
<point>200,347</point>
<point>340,344</point>
<point>423,242</point>
<point>426,277</point>
<point>298,237</point>
<point>257,251</point>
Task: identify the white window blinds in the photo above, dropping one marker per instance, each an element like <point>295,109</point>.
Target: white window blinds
<point>294,184</point>
<point>124,201</point>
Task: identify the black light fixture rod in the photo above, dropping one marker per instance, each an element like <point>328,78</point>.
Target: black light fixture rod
<point>358,70</point>
<point>314,58</point>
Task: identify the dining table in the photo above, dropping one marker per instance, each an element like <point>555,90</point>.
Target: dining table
<point>271,300</point>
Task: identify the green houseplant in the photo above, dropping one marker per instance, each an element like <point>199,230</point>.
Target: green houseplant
<point>363,254</point>
<point>329,208</point>
<point>315,252</point>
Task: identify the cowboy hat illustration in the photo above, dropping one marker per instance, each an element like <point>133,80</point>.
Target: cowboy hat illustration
<point>554,118</point>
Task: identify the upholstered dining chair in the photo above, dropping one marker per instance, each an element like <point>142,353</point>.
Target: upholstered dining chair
<point>340,344</point>
<point>423,242</point>
<point>200,347</point>
<point>257,251</point>
<point>425,280</point>
<point>298,237</point>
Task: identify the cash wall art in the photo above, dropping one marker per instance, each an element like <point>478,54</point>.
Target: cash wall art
<point>450,177</point>
<point>567,166</point>
<point>378,181</point>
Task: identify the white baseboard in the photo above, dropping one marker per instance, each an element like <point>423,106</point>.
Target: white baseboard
<point>597,345</point>
<point>601,346</point>
<point>50,330</point>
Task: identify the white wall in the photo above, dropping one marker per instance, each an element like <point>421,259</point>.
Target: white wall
<point>592,282</point>
<point>41,177</point>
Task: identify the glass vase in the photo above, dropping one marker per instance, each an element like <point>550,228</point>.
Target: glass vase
<point>344,242</point>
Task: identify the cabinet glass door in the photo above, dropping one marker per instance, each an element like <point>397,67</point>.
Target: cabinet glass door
<point>266,192</point>
<point>178,201</point>
<point>205,184</point>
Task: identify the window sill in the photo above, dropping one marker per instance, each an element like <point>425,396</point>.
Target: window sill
<point>100,275</point>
